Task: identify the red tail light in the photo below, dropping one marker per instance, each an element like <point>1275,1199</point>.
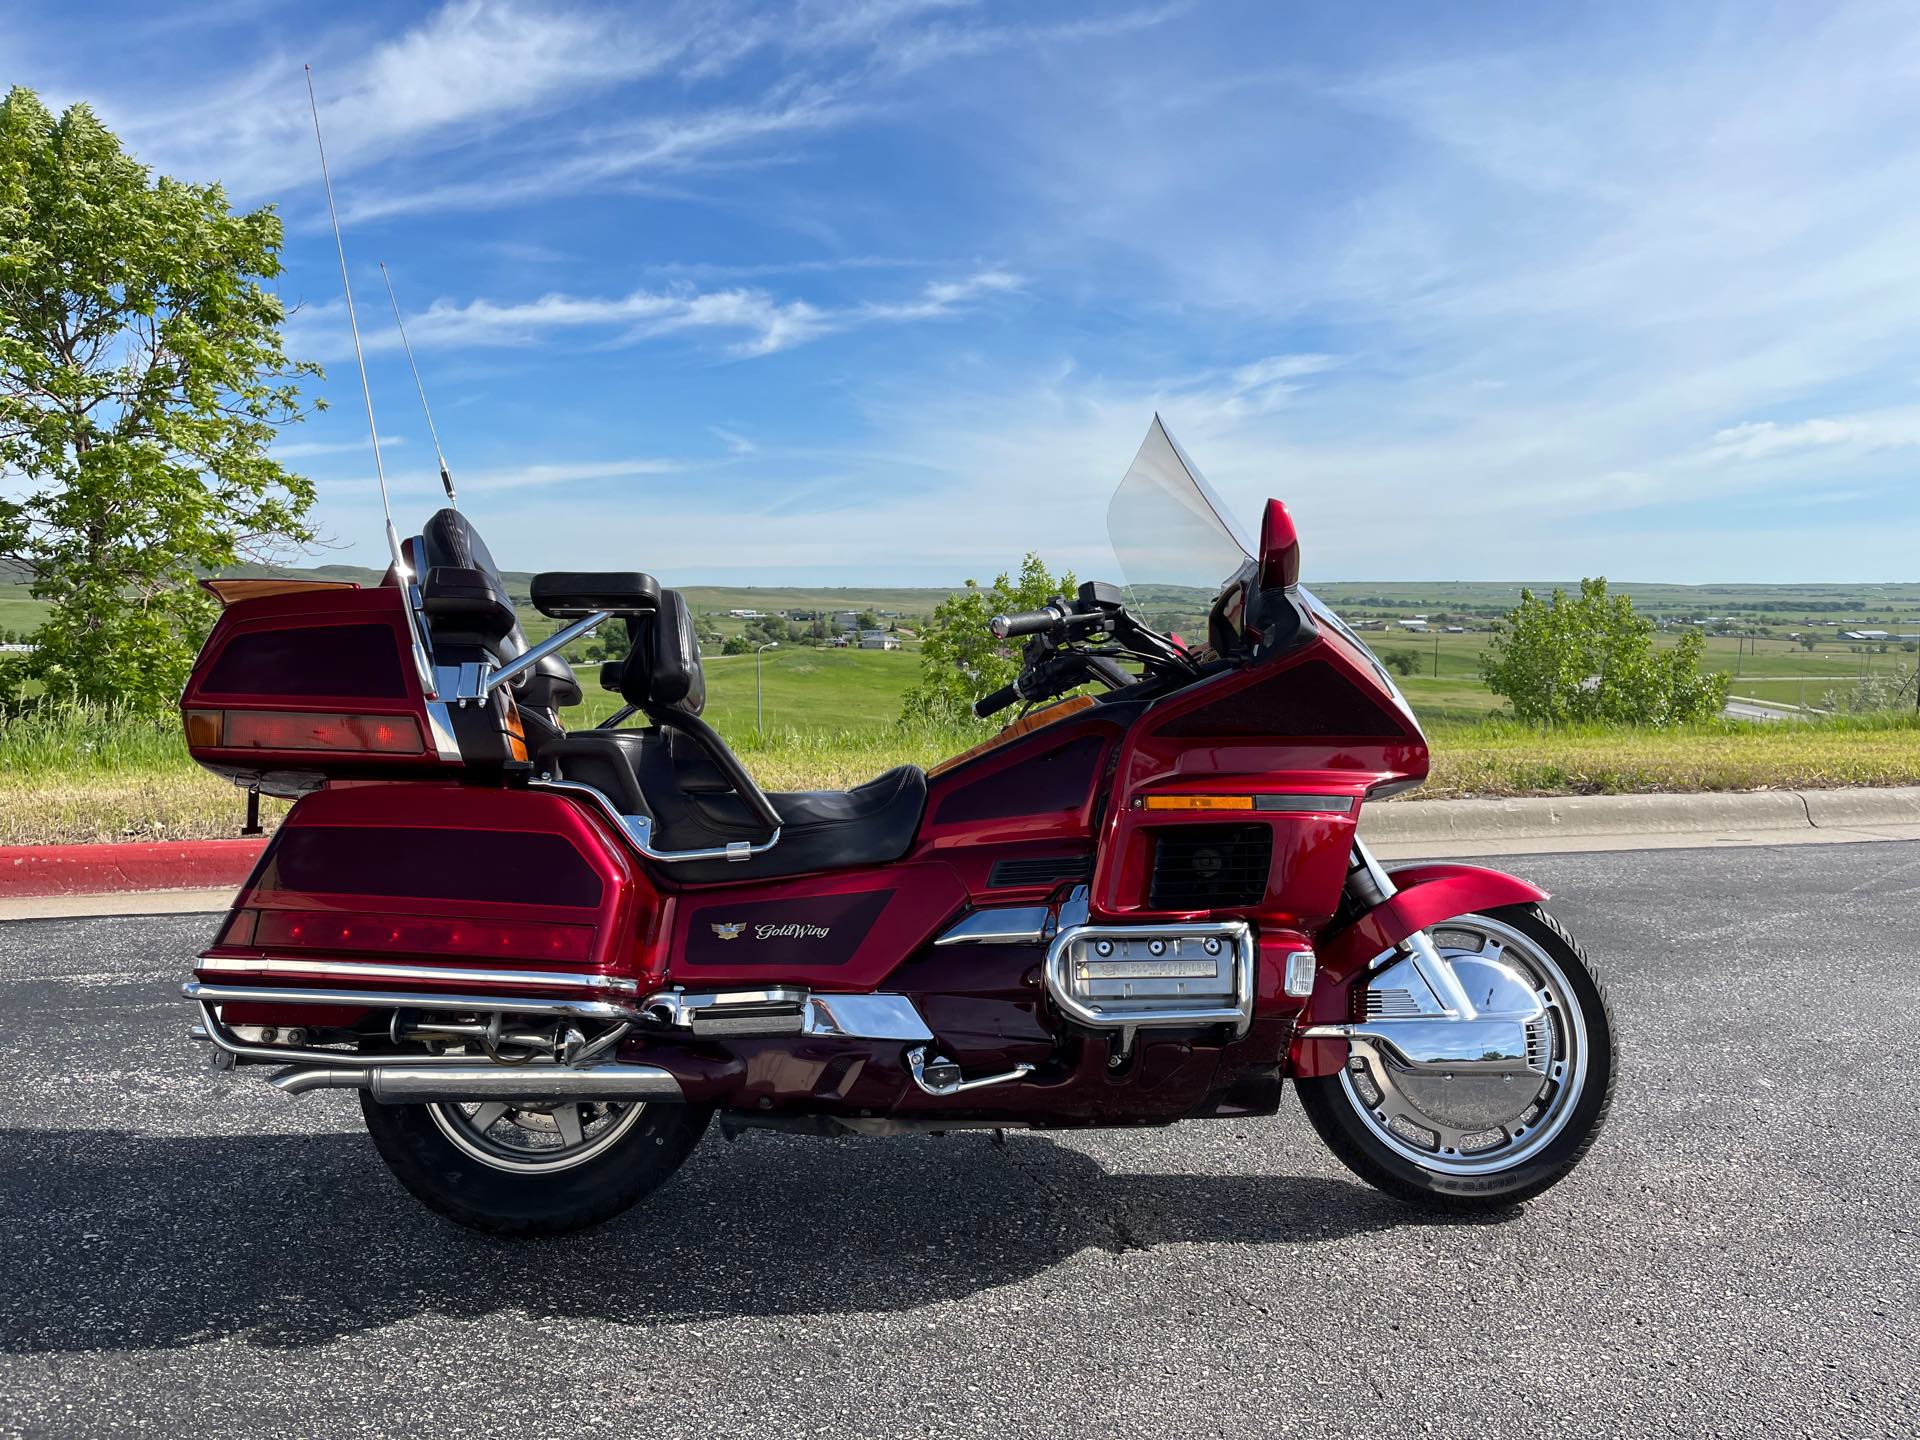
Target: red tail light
<point>420,935</point>
<point>303,730</point>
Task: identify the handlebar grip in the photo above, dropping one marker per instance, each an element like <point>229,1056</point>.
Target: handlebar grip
<point>999,700</point>
<point>1024,622</point>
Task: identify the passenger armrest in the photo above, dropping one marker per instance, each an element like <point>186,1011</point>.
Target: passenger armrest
<point>564,594</point>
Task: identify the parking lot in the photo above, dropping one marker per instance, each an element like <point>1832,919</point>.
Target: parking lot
<point>195,1253</point>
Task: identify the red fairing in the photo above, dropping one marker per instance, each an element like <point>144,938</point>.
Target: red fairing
<point>1314,723</point>
<point>1428,895</point>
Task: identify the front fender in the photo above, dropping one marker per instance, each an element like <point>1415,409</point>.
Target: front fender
<point>1426,896</point>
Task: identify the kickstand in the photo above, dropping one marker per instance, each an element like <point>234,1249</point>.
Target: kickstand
<point>253,827</point>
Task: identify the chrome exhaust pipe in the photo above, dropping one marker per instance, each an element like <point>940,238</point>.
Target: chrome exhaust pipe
<point>533,1083</point>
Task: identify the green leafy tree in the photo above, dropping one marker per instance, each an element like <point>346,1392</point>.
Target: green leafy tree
<point>142,376</point>
<point>1401,662</point>
<point>1892,690</point>
<point>960,660</point>
<point>1589,659</point>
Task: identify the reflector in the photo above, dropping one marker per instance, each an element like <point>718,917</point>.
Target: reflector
<point>1196,802</point>
<point>421,935</point>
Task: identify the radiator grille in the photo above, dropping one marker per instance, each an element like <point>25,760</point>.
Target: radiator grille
<point>1045,870</point>
<point>1210,867</point>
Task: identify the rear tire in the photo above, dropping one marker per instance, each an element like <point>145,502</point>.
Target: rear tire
<point>447,1164</point>
<point>1335,1109</point>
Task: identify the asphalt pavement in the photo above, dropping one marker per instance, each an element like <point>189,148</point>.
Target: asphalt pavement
<point>188,1253</point>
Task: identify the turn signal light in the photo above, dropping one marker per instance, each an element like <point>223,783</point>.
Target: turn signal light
<point>1196,802</point>
<point>302,730</point>
<point>421,935</point>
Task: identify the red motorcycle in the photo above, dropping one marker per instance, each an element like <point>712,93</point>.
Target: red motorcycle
<point>548,958</point>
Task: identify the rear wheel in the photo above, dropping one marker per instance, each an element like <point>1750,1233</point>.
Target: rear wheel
<point>1454,1143</point>
<point>532,1170</point>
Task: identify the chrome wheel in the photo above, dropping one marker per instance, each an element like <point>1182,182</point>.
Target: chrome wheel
<point>1469,1120</point>
<point>534,1139</point>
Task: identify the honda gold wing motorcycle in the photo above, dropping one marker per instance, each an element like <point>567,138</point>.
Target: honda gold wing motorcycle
<point>549,959</point>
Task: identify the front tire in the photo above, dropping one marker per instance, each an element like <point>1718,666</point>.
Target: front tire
<point>517,1171</point>
<point>1355,1114</point>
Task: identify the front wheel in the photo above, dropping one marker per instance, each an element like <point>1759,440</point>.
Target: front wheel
<point>1450,1142</point>
<point>523,1170</point>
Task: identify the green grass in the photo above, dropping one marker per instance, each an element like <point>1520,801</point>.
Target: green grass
<point>77,776</point>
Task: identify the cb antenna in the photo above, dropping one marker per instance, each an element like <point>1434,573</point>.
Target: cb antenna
<point>401,570</point>
<point>446,475</point>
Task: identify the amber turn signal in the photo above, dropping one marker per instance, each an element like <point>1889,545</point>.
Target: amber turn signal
<point>1196,802</point>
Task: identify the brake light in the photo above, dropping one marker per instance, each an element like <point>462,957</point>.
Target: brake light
<point>302,730</point>
<point>421,935</point>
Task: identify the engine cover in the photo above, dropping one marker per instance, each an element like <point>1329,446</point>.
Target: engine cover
<point>1122,977</point>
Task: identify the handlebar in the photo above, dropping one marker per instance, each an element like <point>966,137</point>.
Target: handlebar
<point>999,700</point>
<point>1024,622</point>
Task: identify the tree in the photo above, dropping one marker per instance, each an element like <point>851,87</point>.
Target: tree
<point>959,659</point>
<point>1401,662</point>
<point>1591,659</point>
<point>868,620</point>
<point>142,375</point>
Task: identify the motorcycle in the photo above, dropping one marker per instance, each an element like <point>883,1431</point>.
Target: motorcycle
<point>548,959</point>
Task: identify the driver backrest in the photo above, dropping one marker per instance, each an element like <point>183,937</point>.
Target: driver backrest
<point>664,672</point>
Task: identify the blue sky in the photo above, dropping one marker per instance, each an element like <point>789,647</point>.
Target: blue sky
<point>885,291</point>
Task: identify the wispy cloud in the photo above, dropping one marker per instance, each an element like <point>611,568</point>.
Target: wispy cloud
<point>760,323</point>
<point>306,449</point>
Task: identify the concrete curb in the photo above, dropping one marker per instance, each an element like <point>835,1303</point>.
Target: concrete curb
<point>47,870</point>
<point>1441,823</point>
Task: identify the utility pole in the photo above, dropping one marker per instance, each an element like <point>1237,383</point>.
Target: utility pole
<point>1436,657</point>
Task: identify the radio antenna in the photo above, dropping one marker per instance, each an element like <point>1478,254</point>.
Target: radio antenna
<point>401,570</point>
<point>446,475</point>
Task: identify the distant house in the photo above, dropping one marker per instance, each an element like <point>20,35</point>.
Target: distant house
<point>878,640</point>
<point>1369,624</point>
<point>744,614</point>
<point>846,620</point>
<point>1865,635</point>
<point>1456,629</point>
<point>1418,624</point>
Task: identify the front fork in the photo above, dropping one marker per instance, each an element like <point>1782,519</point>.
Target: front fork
<point>1372,886</point>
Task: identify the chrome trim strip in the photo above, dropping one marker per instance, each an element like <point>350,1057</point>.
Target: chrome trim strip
<point>866,1017</point>
<point>871,1016</point>
<point>1332,804</point>
<point>639,828</point>
<point>1000,925</point>
<point>379,970</point>
<point>1239,1015</point>
<point>409,1000</point>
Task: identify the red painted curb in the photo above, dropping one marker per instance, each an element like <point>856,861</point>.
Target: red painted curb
<point>29,870</point>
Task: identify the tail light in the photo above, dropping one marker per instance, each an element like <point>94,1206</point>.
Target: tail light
<point>303,730</point>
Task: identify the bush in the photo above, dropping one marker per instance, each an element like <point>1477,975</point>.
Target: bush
<point>1591,660</point>
<point>1401,662</point>
<point>960,660</point>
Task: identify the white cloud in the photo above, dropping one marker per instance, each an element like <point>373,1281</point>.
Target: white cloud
<point>304,449</point>
<point>1767,439</point>
<point>763,323</point>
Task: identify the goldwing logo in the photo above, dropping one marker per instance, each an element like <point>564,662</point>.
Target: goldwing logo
<point>771,930</point>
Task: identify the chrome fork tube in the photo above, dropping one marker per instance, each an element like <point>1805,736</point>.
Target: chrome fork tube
<point>1369,875</point>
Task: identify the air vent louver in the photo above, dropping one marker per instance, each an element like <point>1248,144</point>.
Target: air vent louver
<point>1046,870</point>
<point>1210,867</point>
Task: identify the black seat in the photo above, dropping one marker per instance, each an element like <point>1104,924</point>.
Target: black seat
<point>681,775</point>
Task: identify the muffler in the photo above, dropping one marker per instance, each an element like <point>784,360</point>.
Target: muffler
<point>533,1083</point>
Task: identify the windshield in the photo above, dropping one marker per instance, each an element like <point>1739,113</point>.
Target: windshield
<point>1176,541</point>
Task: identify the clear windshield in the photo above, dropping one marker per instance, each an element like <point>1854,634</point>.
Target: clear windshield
<point>1169,530</point>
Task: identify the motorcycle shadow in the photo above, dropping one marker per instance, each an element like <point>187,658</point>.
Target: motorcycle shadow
<point>137,1241</point>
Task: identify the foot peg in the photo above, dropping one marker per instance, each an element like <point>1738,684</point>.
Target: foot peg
<point>940,1076</point>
